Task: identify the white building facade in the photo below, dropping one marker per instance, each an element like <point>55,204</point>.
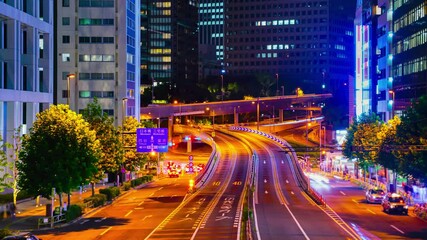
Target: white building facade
<point>98,44</point>
<point>26,63</point>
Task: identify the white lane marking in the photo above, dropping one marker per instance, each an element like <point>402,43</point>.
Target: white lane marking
<point>283,162</point>
<point>355,201</point>
<point>140,203</point>
<point>342,193</point>
<point>105,231</point>
<point>160,189</point>
<point>138,208</point>
<point>287,181</point>
<point>151,195</point>
<point>292,193</point>
<point>397,229</point>
<point>296,221</point>
<point>265,162</point>
<point>84,221</point>
<point>266,192</point>
<point>100,220</point>
<point>145,217</point>
<point>127,214</point>
<point>265,180</point>
<point>371,211</point>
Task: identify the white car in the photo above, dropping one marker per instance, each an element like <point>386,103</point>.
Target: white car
<point>375,195</point>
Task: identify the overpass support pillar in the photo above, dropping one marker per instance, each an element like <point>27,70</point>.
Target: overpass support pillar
<point>236,117</point>
<point>280,115</point>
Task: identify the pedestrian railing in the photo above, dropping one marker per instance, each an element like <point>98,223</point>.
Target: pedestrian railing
<point>51,221</point>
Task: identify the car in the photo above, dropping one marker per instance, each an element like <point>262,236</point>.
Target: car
<point>375,195</point>
<point>26,236</point>
<point>394,203</point>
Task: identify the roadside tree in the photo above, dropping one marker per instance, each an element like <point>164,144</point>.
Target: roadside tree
<point>60,151</point>
<point>412,134</point>
<point>111,147</point>
<point>362,141</point>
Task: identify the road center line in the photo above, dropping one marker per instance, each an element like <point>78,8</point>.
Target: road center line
<point>127,214</point>
<point>105,231</point>
<point>397,229</point>
<point>342,193</point>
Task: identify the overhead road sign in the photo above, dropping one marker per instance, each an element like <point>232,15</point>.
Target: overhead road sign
<point>152,140</point>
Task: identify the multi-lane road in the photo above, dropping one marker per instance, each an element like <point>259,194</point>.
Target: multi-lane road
<point>165,210</point>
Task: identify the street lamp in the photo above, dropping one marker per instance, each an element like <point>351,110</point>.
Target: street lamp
<point>392,102</point>
<point>69,76</point>
<point>124,101</point>
<point>277,84</point>
<point>222,87</point>
<point>283,90</point>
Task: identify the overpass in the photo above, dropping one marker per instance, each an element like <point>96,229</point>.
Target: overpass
<point>306,102</point>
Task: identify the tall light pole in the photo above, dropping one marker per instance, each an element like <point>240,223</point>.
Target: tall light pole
<point>124,101</point>
<point>283,90</point>
<point>277,84</point>
<point>158,153</point>
<point>222,88</point>
<point>69,77</point>
<point>392,103</point>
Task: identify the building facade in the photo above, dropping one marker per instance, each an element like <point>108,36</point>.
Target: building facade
<point>97,55</point>
<point>391,55</point>
<point>308,44</point>
<point>211,37</point>
<point>409,52</point>
<point>171,33</point>
<point>26,63</point>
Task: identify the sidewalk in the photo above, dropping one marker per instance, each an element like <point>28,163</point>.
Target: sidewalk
<point>28,213</point>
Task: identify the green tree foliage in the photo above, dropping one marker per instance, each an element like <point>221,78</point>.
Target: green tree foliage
<point>60,151</point>
<point>267,82</point>
<point>412,133</point>
<point>111,154</point>
<point>4,166</point>
<point>132,160</point>
<point>362,141</point>
<point>388,139</point>
<point>108,136</point>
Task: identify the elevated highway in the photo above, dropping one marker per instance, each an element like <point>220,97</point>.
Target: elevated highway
<point>306,102</point>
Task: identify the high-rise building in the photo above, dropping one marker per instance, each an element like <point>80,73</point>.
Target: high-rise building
<point>306,44</point>
<point>26,63</point>
<point>211,37</point>
<point>170,29</point>
<point>391,59</point>
<point>97,55</point>
<point>409,53</point>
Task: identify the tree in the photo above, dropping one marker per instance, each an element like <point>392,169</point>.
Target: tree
<point>60,151</point>
<point>111,154</point>
<point>4,166</point>
<point>362,141</point>
<point>412,134</point>
<point>267,82</point>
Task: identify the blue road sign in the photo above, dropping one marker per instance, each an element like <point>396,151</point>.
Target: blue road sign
<point>152,140</point>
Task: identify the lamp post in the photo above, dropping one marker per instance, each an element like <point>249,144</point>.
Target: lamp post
<point>69,77</point>
<point>392,103</point>
<point>124,101</point>
<point>283,90</point>
<point>222,88</point>
<point>277,84</point>
<point>158,153</point>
